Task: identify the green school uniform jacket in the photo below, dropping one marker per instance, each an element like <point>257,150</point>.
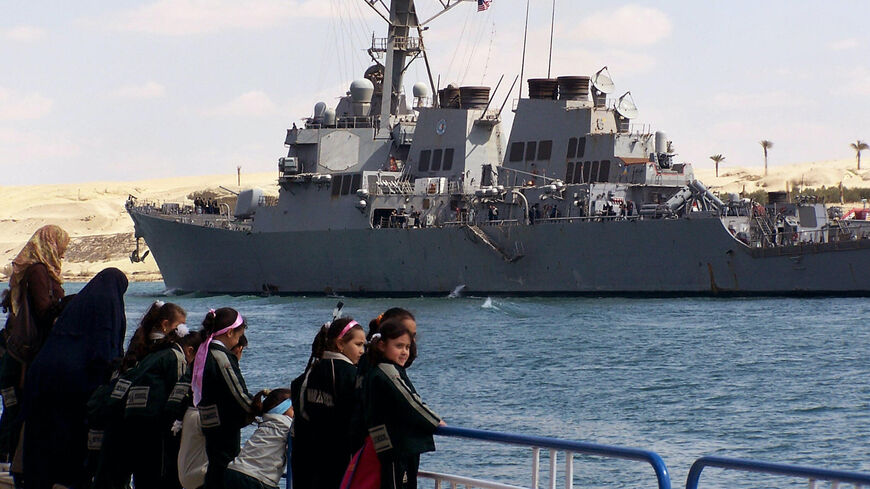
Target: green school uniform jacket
<point>226,403</point>
<point>398,421</point>
<point>180,398</point>
<point>154,380</point>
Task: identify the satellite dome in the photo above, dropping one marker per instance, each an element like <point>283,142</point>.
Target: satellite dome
<point>420,90</point>
<point>329,117</point>
<point>361,91</point>
<point>319,108</point>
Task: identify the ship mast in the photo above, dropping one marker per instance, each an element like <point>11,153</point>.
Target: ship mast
<point>397,47</point>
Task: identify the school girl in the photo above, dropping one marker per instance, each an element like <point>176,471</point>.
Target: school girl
<point>149,440</point>
<point>262,460</point>
<point>400,424</point>
<point>322,444</point>
<point>406,318</point>
<point>120,416</point>
<point>190,461</point>
<point>220,393</point>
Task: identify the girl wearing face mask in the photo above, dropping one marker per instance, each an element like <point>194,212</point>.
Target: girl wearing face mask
<point>325,401</point>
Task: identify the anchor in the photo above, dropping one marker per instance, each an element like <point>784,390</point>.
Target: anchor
<point>134,256</point>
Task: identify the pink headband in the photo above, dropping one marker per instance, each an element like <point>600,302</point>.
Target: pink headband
<point>347,328</point>
<point>202,354</point>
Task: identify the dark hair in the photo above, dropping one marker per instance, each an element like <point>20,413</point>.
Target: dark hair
<point>243,342</point>
<point>389,330</point>
<point>141,344</point>
<point>328,335</point>
<point>217,320</point>
<point>194,339</point>
<point>265,401</point>
<point>391,313</point>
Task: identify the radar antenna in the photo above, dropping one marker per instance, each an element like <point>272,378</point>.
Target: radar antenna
<point>602,85</point>
<point>626,107</point>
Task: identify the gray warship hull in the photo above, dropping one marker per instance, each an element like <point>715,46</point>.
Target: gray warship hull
<point>627,257</point>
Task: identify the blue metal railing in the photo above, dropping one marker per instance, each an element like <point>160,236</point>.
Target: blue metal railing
<point>812,473</point>
<point>554,445</point>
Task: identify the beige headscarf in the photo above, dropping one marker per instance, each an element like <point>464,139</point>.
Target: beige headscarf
<point>46,246</point>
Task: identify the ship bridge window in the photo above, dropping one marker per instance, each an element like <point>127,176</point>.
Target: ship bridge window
<point>517,152</point>
<point>587,172</point>
<point>424,160</point>
<point>448,159</point>
<point>436,160</point>
<point>604,171</point>
<point>578,175</point>
<point>336,185</point>
<point>356,183</point>
<point>569,173</point>
<point>531,148</point>
<point>346,180</point>
<point>581,147</point>
<point>545,150</point>
<point>572,147</point>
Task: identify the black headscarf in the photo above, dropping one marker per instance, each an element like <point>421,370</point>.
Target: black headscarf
<point>76,359</point>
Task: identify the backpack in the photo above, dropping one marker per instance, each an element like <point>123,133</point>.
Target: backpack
<point>23,338</point>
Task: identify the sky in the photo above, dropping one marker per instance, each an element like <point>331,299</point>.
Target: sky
<point>127,90</point>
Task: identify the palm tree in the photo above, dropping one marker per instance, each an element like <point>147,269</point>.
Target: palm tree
<point>765,144</point>
<point>717,159</point>
<point>859,146</point>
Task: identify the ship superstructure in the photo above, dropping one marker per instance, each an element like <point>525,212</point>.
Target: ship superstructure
<point>385,194</point>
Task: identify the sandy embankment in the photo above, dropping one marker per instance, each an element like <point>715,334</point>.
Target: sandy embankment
<point>813,174</point>
<point>94,215</point>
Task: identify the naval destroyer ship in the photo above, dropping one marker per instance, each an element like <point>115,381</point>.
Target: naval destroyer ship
<point>385,194</point>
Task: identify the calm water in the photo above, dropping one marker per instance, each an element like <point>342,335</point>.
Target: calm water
<point>781,380</point>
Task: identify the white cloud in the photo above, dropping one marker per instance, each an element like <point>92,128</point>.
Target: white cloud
<point>150,90</point>
<point>193,17</point>
<point>843,44</point>
<point>24,33</point>
<point>16,106</point>
<point>251,104</point>
<point>630,25</point>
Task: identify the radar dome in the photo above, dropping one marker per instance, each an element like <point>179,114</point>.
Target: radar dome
<point>329,117</point>
<point>361,91</point>
<point>420,90</point>
<point>319,108</point>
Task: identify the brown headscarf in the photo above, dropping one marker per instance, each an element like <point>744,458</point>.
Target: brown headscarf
<point>46,246</point>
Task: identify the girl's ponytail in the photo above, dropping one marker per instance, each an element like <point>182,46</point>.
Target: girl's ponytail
<point>321,342</point>
<point>257,402</point>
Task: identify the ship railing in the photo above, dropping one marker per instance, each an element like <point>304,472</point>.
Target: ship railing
<point>812,474</point>
<point>771,238</point>
<point>554,446</point>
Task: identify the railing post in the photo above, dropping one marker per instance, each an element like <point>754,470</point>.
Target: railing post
<point>569,470</point>
<point>536,466</point>
<point>553,456</point>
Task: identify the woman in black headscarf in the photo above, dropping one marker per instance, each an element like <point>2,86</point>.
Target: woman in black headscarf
<point>77,358</point>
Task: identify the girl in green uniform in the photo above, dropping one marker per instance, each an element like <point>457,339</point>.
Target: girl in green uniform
<point>131,412</point>
<point>220,393</point>
<point>326,400</point>
<point>400,423</point>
